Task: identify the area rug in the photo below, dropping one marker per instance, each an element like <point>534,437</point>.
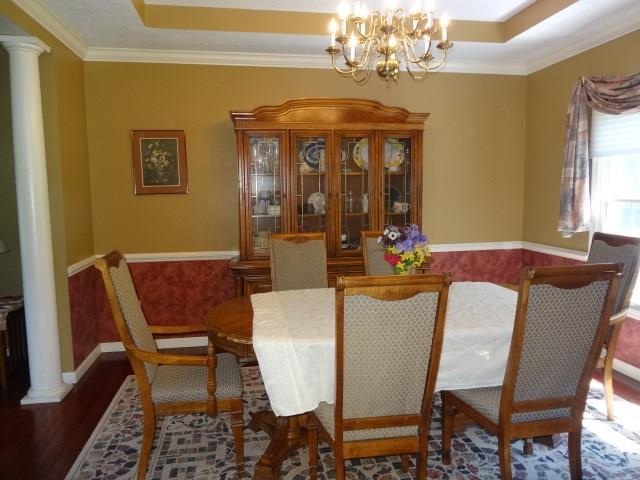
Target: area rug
<point>198,447</point>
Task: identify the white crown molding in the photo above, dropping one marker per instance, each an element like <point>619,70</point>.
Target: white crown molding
<point>52,23</point>
<point>611,27</point>
<point>240,59</point>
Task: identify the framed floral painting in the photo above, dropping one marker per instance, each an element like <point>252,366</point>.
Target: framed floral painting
<point>159,161</point>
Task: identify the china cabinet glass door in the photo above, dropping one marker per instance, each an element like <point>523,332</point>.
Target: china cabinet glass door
<point>311,181</point>
<point>353,211</point>
<point>398,202</point>
<point>265,190</point>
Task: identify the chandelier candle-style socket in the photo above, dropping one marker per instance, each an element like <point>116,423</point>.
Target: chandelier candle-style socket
<point>387,38</point>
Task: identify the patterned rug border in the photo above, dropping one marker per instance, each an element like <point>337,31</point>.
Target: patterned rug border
<point>73,471</point>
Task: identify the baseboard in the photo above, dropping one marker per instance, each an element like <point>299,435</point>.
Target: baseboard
<point>76,375</point>
<point>627,369</point>
<point>179,342</point>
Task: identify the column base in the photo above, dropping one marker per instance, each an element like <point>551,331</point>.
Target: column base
<point>53,395</point>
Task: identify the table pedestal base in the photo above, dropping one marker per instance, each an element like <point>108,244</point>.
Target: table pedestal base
<point>286,435</point>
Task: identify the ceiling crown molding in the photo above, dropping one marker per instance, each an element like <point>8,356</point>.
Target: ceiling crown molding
<point>611,27</point>
<point>240,59</point>
<point>52,23</point>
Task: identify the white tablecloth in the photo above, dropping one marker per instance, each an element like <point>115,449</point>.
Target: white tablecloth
<point>294,341</point>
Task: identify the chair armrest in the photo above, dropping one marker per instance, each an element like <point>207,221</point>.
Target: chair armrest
<point>618,317</point>
<point>175,329</point>
<point>168,358</point>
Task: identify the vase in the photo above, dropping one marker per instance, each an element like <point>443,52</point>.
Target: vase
<point>410,270</point>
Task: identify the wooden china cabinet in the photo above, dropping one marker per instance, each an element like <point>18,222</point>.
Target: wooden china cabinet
<point>337,166</point>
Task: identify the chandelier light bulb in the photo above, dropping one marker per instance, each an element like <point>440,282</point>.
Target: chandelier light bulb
<point>393,42</point>
<point>333,28</point>
<point>416,7</point>
<point>444,24</point>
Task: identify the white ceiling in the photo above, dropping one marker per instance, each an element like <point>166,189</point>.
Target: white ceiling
<point>111,30</point>
<point>485,10</point>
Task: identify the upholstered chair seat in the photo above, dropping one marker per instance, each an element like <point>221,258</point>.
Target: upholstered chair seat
<point>487,402</point>
<point>188,383</point>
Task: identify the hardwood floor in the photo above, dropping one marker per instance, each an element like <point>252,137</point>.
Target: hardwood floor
<point>43,441</point>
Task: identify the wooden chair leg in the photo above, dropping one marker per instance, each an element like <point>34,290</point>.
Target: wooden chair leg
<point>339,464</point>
<point>312,442</point>
<point>527,446</point>
<point>147,443</point>
<point>237,425</point>
<point>404,463</point>
<point>448,415</point>
<point>421,464</point>
<point>504,455</point>
<point>575,453</point>
<point>608,385</point>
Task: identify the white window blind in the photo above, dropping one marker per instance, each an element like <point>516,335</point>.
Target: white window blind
<point>615,196</point>
<point>615,134</point>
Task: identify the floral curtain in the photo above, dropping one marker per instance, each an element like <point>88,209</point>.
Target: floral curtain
<point>613,95</point>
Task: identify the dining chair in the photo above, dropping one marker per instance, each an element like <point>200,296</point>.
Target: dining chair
<point>388,342</point>
<point>373,254</point>
<point>561,321</point>
<point>606,247</point>
<point>170,384</point>
<point>298,261</point>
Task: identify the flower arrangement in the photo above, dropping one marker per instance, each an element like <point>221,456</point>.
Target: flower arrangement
<point>406,247</point>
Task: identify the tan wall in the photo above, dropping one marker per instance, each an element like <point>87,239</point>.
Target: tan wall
<point>473,155</point>
<point>547,100</point>
<point>62,81</point>
<point>10,278</point>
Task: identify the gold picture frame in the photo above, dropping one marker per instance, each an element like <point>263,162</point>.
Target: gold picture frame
<point>159,161</point>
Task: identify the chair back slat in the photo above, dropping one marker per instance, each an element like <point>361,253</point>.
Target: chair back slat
<point>560,329</point>
<point>388,343</point>
<point>373,255</point>
<point>298,261</point>
<point>606,248</point>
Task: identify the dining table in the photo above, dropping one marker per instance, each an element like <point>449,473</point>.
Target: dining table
<point>292,336</point>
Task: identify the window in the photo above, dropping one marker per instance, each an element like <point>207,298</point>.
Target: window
<point>615,153</point>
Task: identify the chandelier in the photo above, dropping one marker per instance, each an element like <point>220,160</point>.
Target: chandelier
<point>386,38</point>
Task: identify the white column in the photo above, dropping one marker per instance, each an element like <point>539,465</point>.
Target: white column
<point>34,221</point>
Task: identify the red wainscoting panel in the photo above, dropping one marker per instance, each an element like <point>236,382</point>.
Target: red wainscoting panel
<point>83,311</point>
<point>628,347</point>
<point>181,292</point>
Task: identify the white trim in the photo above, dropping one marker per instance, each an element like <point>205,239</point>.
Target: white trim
<point>634,313</point>
<point>557,251</point>
<point>246,59</point>
<point>76,375</point>
<point>54,25</point>
<point>626,369</point>
<point>466,247</point>
<point>612,27</point>
<point>178,342</point>
<point>81,265</point>
<point>181,256</point>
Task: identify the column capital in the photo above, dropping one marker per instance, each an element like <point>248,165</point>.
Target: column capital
<point>24,43</point>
